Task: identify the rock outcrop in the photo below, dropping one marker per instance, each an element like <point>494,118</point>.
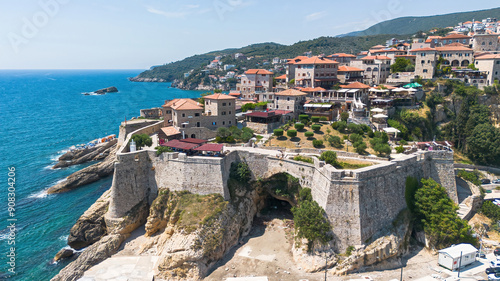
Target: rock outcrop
<point>87,175</point>
<point>106,90</point>
<point>96,153</point>
<point>90,227</point>
<point>138,79</point>
<point>64,253</point>
<point>391,243</point>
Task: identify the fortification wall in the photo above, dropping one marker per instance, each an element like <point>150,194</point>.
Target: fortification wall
<point>359,203</point>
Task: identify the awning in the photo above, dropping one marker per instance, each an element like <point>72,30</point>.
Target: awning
<point>377,110</point>
<point>170,131</point>
<point>181,145</point>
<point>412,85</point>
<point>212,147</point>
<point>391,130</point>
<point>342,91</point>
<point>380,116</point>
<point>353,91</point>
<point>326,105</point>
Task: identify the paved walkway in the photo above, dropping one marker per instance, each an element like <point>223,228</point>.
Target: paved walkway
<point>121,268</point>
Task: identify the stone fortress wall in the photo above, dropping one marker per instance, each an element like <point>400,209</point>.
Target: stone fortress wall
<point>359,203</point>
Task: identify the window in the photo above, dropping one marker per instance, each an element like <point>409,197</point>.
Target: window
<point>198,124</point>
<point>288,99</point>
<point>423,61</point>
<point>425,70</point>
<point>214,123</point>
<point>193,136</point>
<point>183,115</point>
<point>223,104</point>
<point>229,104</point>
<point>223,122</point>
<point>197,114</point>
<point>288,107</point>
<point>277,98</point>
<point>229,122</point>
<point>498,62</point>
<point>169,111</point>
<point>229,112</point>
<point>223,113</point>
<point>484,43</point>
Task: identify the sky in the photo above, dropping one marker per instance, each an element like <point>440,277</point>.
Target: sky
<point>137,34</point>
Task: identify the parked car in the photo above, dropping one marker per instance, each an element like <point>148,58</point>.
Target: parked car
<point>480,255</point>
<point>485,181</point>
<point>495,263</point>
<point>494,276</point>
<point>497,251</point>
<point>497,181</point>
<point>492,270</point>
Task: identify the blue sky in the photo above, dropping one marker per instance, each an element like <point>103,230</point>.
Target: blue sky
<point>136,34</point>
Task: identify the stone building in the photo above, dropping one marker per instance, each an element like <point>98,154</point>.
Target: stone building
<point>255,80</point>
<point>485,42</point>
<point>316,72</point>
<point>152,113</point>
<point>341,58</point>
<point>455,55</point>
<point>388,52</point>
<point>189,118</point>
<point>425,62</point>
<point>348,74</point>
<point>455,38</point>
<point>290,100</point>
<point>376,68</point>
<point>291,65</point>
<point>489,63</point>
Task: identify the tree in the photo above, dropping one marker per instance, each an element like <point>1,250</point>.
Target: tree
<point>334,141</point>
<point>344,116</point>
<point>360,147</point>
<point>402,65</point>
<point>439,218</point>
<point>317,143</point>
<point>299,126</point>
<point>291,133</point>
<point>310,220</point>
<point>315,119</point>
<point>330,157</point>
<point>316,127</point>
<point>142,140</point>
<point>309,134</point>
<point>410,190</point>
<point>341,126</point>
<point>223,132</point>
<point>483,144</point>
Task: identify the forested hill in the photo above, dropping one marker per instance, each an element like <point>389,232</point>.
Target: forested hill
<point>267,51</point>
<point>411,25</point>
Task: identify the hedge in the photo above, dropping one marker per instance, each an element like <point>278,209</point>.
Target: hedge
<point>299,126</point>
<point>315,119</point>
<point>291,133</point>
<point>316,127</point>
<point>309,134</point>
<point>278,132</point>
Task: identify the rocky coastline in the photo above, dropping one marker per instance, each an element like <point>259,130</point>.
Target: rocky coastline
<point>139,79</point>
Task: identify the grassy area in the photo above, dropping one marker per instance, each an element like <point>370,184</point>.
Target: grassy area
<point>458,157</point>
<point>347,165</point>
<point>196,210</point>
<point>305,142</point>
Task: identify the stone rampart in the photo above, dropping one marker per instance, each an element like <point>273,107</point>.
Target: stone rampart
<point>358,203</point>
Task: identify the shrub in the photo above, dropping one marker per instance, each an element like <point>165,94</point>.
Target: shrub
<point>304,118</point>
<point>230,139</point>
<point>344,116</point>
<point>303,159</point>
<point>240,171</point>
<point>470,176</point>
<point>316,127</point>
<point>299,126</point>
<point>278,132</point>
<point>354,128</point>
<point>334,141</point>
<point>491,210</point>
<point>315,119</point>
<point>371,134</point>
<point>317,143</point>
<point>360,147</point>
<point>330,157</point>
<point>335,125</point>
<point>323,118</point>
<point>291,133</point>
<point>309,134</point>
<point>355,138</point>
<point>403,142</point>
<point>400,149</point>
<point>341,126</point>
<point>161,149</point>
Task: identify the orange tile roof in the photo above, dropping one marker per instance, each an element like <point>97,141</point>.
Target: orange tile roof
<point>376,58</point>
<point>342,55</point>
<point>170,131</point>
<point>428,40</point>
<point>177,102</point>
<point>345,68</point>
<point>427,49</point>
<point>258,71</point>
<point>290,92</point>
<point>456,36</point>
<point>281,77</point>
<point>355,85</point>
<point>387,50</point>
<point>317,60</point>
<point>467,22</point>
<point>388,87</point>
<point>453,48</point>
<point>316,89</point>
<point>296,59</point>
<point>402,56</point>
<point>219,97</point>
<point>377,47</point>
<point>488,57</point>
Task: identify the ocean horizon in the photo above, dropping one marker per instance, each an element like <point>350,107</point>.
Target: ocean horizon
<point>43,113</point>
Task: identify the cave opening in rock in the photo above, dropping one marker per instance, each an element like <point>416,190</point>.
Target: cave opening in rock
<point>275,208</point>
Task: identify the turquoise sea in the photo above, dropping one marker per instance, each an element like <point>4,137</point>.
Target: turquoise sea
<point>42,114</point>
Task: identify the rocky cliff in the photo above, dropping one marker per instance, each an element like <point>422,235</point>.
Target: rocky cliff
<point>96,153</point>
<point>87,175</point>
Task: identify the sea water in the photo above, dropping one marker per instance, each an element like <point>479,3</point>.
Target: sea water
<point>42,114</point>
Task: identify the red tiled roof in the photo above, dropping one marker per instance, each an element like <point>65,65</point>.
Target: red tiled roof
<point>214,147</point>
<point>317,60</point>
<point>193,140</point>
<point>345,68</point>
<point>376,58</point>
<point>341,55</point>
<point>180,145</point>
<point>170,131</point>
<point>402,56</point>
<point>387,50</point>
<point>488,57</point>
<point>282,112</point>
<point>296,59</point>
<point>258,71</point>
<point>377,47</point>
<point>290,92</point>
<point>455,36</point>
<point>427,49</point>
<point>219,97</point>
<point>183,104</point>
<point>355,85</point>
<point>316,89</point>
<point>453,48</point>
<point>235,94</point>
<point>281,77</point>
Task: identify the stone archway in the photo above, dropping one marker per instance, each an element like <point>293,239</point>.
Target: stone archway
<point>455,63</point>
<point>465,63</point>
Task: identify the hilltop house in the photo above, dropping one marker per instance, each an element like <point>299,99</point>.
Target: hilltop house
<point>255,80</point>
<point>455,38</point>
<point>316,72</point>
<point>455,55</point>
<point>187,118</point>
<point>485,42</point>
<point>489,63</point>
<point>376,68</point>
<point>348,74</point>
<point>425,62</point>
<point>289,100</point>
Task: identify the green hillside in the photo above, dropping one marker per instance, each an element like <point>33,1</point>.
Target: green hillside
<point>267,51</point>
<point>410,25</point>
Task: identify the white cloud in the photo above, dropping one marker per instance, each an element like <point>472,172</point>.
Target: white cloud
<point>176,15</point>
<point>315,16</point>
<point>192,6</point>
